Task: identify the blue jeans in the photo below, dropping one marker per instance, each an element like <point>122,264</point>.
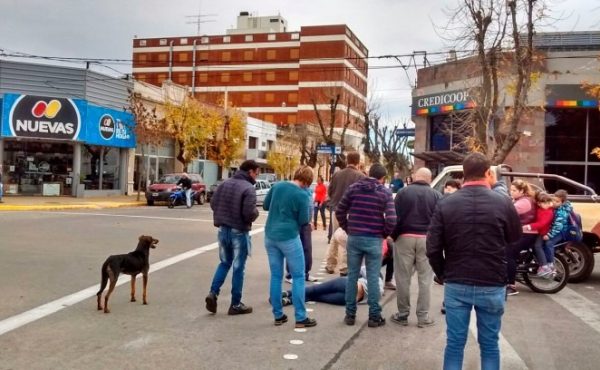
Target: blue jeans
<point>540,252</point>
<point>549,247</point>
<point>188,197</point>
<point>370,248</point>
<point>488,302</point>
<point>292,251</point>
<point>233,251</point>
<point>331,291</point>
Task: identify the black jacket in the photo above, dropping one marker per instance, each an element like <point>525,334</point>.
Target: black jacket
<point>185,182</point>
<point>415,204</point>
<point>468,236</point>
<point>234,202</point>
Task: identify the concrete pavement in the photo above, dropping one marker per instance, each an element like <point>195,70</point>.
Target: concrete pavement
<point>41,203</point>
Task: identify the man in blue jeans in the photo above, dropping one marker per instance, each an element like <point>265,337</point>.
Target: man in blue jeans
<point>466,246</point>
<point>234,210</point>
<point>366,212</point>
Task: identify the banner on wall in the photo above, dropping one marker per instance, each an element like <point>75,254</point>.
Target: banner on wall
<point>40,117</point>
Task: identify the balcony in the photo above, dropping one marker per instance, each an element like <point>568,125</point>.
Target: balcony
<point>260,156</point>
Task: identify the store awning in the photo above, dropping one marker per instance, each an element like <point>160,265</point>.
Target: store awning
<point>445,157</point>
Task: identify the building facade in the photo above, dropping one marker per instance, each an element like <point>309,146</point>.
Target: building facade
<point>63,131</point>
<point>559,131</point>
<point>273,74</point>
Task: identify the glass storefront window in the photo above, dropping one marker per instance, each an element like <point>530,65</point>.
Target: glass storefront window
<point>445,134</point>
<point>97,160</point>
<point>573,172</point>
<point>594,138</point>
<point>565,134</point>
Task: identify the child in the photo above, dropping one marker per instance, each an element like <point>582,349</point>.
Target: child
<point>544,217</point>
<point>560,224</point>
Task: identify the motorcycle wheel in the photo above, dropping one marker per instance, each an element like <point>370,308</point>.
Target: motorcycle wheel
<point>580,259</point>
<point>549,285</point>
<point>201,198</point>
<point>171,202</point>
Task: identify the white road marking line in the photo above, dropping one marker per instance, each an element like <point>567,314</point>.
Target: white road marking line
<point>290,356</point>
<point>296,341</point>
<point>579,306</point>
<point>15,322</point>
<point>134,216</point>
<point>300,330</point>
<point>509,357</point>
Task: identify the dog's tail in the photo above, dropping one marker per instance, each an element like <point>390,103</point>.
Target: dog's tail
<point>104,279</point>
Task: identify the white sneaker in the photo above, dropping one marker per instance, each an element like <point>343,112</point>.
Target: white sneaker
<point>288,280</point>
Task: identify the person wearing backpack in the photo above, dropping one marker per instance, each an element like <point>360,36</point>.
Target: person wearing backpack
<point>560,225</point>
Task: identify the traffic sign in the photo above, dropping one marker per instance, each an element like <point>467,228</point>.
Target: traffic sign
<point>405,132</point>
<point>328,149</point>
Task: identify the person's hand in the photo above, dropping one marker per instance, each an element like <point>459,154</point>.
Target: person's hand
<point>546,237</point>
<point>526,228</point>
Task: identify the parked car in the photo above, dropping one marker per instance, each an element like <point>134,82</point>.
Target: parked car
<point>269,177</point>
<point>212,188</point>
<point>262,188</point>
<point>162,189</point>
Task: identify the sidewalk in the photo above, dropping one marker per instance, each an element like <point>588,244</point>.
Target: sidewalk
<point>40,203</point>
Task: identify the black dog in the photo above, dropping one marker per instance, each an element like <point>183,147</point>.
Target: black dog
<point>132,264</point>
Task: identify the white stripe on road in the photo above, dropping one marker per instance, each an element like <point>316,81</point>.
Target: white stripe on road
<point>509,357</point>
<point>579,306</point>
<point>133,216</point>
<point>39,312</point>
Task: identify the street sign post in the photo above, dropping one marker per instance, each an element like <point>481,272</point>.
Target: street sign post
<point>405,132</point>
<point>329,149</point>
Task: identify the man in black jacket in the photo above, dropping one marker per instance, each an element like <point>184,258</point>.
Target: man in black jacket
<point>466,246</point>
<point>234,210</point>
<point>186,185</point>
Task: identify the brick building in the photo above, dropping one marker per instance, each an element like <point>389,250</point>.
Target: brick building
<point>271,73</point>
<point>562,125</point>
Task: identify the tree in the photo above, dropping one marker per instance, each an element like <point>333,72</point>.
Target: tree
<point>382,141</point>
<point>148,131</point>
<point>226,144</point>
<point>501,33</point>
<point>283,164</point>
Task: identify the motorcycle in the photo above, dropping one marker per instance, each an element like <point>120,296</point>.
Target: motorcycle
<point>527,268</point>
<point>177,198</point>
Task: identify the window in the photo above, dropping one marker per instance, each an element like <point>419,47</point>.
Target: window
<point>291,119</point>
<point>140,77</point>
<point>252,142</point>
<point>270,76</point>
<point>269,118</point>
<point>226,39</point>
<point>142,58</point>
<point>183,41</point>
<point>249,38</point>
<point>269,145</point>
<point>293,97</point>
<point>246,98</point>
<point>161,77</point>
<point>248,55</point>
<point>271,54</point>
<point>247,76</point>
<point>183,57</point>
<point>203,56</point>
<point>204,40</point>
<point>162,57</point>
<point>272,37</point>
<point>295,36</point>
<point>162,42</point>
<point>203,77</point>
<point>269,97</point>
<point>565,134</point>
<point>142,43</point>
<point>293,75</point>
<point>182,78</point>
<point>225,76</point>
<point>294,53</point>
<point>226,56</point>
<point>274,20</point>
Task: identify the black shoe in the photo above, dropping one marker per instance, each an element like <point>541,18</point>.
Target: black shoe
<point>376,322</point>
<point>240,309</point>
<point>286,301</point>
<point>342,274</point>
<point>211,302</point>
<point>306,323</point>
<point>282,320</point>
<point>350,319</point>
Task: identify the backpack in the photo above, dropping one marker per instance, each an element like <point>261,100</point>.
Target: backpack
<point>573,231</point>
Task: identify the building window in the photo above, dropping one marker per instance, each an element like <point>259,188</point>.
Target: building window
<point>269,97</point>
<point>203,56</point>
<point>183,41</point>
<point>269,118</point>
<point>295,36</point>
<point>226,56</point>
<point>160,78</point>
<point>271,54</point>
<point>293,75</point>
<point>272,37</point>
<point>142,43</point>
<point>565,134</point>
<point>183,57</point>
<point>252,141</point>
<point>291,119</point>
<point>270,145</point>
<point>248,55</point>
<point>142,58</point>
<point>294,53</point>
<point>246,98</point>
<point>270,76</point>
<point>204,40</point>
<point>140,77</point>
<point>293,97</point>
<point>249,38</point>
<point>226,39</point>
<point>224,76</point>
<point>445,133</point>
<point>182,78</point>
<point>247,76</point>
<point>203,77</point>
<point>162,57</point>
<point>162,42</point>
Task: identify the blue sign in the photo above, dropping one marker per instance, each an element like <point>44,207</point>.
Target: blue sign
<point>405,132</point>
<point>41,117</point>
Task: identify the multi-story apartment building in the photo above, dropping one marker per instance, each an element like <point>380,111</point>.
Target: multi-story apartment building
<point>273,74</point>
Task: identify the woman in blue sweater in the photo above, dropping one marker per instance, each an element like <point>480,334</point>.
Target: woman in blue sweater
<point>289,209</point>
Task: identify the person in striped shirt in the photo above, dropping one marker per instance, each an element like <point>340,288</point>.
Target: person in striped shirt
<point>367,214</point>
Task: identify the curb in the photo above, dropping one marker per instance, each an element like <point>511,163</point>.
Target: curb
<point>55,207</point>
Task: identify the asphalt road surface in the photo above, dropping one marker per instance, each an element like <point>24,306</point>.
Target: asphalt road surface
<point>50,270</point>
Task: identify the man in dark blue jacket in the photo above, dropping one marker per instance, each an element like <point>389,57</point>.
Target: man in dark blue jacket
<point>466,246</point>
<point>234,210</point>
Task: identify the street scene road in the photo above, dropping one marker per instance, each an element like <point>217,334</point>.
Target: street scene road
<point>50,271</point>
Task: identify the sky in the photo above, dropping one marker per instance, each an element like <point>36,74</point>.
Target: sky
<point>105,29</point>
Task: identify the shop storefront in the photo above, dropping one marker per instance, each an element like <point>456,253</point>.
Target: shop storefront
<point>59,146</point>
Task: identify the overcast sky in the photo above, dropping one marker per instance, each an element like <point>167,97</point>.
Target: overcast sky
<point>105,28</point>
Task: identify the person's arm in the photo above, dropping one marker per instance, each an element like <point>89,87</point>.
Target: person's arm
<point>558,224</point>
<point>390,215</point>
<point>304,211</point>
<point>514,229</point>
<point>435,243</point>
<point>522,206</point>
<point>267,201</point>
<point>249,210</point>
<point>398,206</point>
<point>341,211</point>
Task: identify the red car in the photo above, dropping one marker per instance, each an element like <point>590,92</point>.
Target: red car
<point>160,190</point>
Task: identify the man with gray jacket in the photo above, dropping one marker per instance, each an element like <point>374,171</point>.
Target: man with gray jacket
<point>234,210</point>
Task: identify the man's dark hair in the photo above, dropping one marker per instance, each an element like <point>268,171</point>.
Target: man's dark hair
<point>377,171</point>
<point>475,165</point>
<point>353,158</point>
<point>248,165</point>
<point>453,183</point>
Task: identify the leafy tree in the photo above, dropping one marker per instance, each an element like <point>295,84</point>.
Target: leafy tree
<point>382,141</point>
